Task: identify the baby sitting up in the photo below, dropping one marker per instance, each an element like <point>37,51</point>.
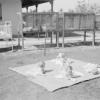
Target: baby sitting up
<point>67,70</point>
<point>61,59</point>
<point>42,67</point>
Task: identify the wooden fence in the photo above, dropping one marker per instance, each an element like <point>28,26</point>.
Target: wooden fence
<point>61,22</point>
<point>66,21</point>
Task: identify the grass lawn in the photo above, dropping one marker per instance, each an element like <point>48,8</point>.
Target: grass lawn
<point>14,86</point>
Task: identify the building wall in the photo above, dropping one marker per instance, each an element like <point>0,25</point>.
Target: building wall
<point>10,10</point>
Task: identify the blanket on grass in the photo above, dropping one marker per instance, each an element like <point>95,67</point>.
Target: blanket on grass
<point>55,78</point>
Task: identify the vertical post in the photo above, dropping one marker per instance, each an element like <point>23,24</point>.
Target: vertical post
<point>51,37</point>
<point>18,39</point>
<point>57,29</point>
<point>51,2</point>
<point>10,27</point>
<point>36,13</point>
<point>12,44</point>
<point>45,44</point>
<point>38,34</point>
<point>22,41</point>
<point>62,18</point>
<point>20,32</point>
<point>57,39</point>
<point>93,41</point>
<point>63,34</point>
<point>36,8</point>
<point>40,27</point>
<point>34,19</point>
<point>84,37</point>
<point>26,9</point>
<point>63,39</point>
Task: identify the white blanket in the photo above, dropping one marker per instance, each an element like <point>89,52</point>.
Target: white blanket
<point>55,78</point>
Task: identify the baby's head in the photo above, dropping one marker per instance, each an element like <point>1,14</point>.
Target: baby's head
<point>42,67</point>
<point>61,55</point>
<point>42,64</point>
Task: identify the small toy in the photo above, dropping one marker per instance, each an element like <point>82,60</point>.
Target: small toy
<point>69,70</point>
<point>95,71</point>
<point>42,66</point>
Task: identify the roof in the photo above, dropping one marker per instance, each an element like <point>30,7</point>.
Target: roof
<point>26,3</point>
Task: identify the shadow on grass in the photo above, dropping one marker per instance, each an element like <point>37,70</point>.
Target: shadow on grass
<point>42,35</point>
<point>68,44</point>
<point>15,48</point>
<point>6,49</point>
<point>70,34</point>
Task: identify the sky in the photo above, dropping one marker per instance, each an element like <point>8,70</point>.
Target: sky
<point>63,4</point>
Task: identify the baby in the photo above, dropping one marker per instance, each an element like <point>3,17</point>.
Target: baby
<point>65,63</point>
<point>68,69</point>
<point>42,66</point>
<point>61,59</point>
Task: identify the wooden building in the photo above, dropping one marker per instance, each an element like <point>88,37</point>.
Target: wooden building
<point>11,11</point>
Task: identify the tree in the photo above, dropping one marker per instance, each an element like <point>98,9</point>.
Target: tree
<point>94,9</point>
<point>83,7</point>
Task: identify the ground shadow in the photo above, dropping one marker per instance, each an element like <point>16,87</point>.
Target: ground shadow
<point>42,34</point>
<point>6,49</point>
<point>89,43</point>
<point>41,46</point>
<point>70,34</point>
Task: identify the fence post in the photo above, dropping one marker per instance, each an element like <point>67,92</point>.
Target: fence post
<point>63,34</point>
<point>45,44</point>
<point>18,39</point>
<point>38,35</point>
<point>22,42</point>
<point>51,37</point>
<point>57,39</point>
<point>12,44</point>
<point>94,30</point>
<point>84,37</point>
<point>93,41</point>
